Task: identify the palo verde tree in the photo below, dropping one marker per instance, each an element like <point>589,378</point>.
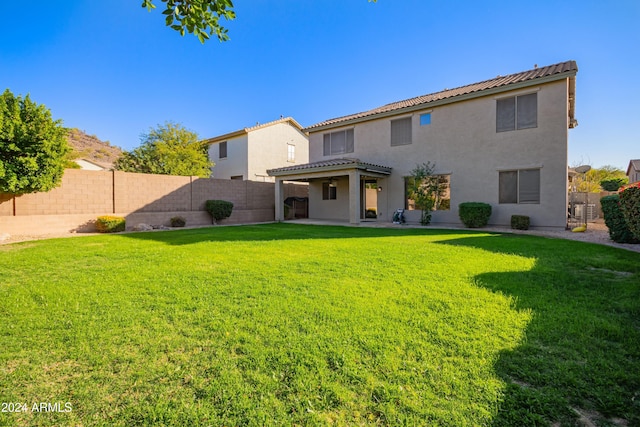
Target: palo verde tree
<point>168,150</point>
<point>33,146</point>
<point>425,189</point>
<point>198,17</point>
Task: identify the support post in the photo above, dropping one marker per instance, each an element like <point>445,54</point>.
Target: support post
<point>279,194</point>
<point>354,196</point>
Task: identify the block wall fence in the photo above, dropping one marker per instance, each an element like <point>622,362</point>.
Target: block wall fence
<point>140,198</point>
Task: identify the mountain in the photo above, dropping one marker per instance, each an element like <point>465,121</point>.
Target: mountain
<point>89,147</point>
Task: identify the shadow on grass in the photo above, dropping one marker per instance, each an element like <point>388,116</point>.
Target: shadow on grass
<point>581,354</point>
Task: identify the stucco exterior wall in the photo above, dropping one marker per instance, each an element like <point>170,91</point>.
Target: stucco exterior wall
<point>236,163</point>
<point>268,150</point>
<point>462,141</point>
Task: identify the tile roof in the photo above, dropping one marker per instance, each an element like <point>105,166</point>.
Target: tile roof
<point>569,68</point>
<point>333,164</point>
<point>246,130</point>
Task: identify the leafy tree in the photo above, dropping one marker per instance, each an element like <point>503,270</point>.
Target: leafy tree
<point>168,150</point>
<point>33,146</point>
<point>198,17</point>
<point>425,189</point>
<point>591,181</point>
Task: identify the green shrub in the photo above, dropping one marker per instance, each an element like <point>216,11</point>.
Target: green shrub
<point>178,221</point>
<point>612,184</point>
<point>630,207</point>
<point>110,224</point>
<point>219,209</point>
<point>520,222</point>
<point>474,214</point>
<point>614,219</point>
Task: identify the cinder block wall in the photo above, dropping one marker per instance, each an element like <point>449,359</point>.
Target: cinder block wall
<point>152,199</point>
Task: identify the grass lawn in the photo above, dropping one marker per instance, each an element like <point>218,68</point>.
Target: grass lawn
<point>285,324</point>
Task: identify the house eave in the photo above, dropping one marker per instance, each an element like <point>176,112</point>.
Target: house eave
<point>459,98</point>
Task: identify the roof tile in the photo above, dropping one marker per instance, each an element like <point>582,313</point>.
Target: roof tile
<point>500,81</point>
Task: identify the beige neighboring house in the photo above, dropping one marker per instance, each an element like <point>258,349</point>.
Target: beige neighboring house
<point>248,153</point>
<point>90,165</point>
<point>502,141</point>
<point>633,171</point>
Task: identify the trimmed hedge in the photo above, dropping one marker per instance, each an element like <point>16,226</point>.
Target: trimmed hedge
<point>218,209</point>
<point>110,224</point>
<point>520,222</point>
<point>614,220</point>
<point>630,207</point>
<point>474,214</point>
<point>178,221</point>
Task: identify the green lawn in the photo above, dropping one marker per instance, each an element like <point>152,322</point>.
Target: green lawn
<point>286,324</point>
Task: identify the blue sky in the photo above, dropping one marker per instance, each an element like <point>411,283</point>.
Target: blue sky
<point>114,70</point>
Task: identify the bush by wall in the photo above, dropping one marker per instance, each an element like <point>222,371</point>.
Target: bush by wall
<point>110,224</point>
<point>219,209</point>
<point>630,207</point>
<point>178,221</point>
<point>520,222</point>
<point>614,219</point>
<point>474,214</point>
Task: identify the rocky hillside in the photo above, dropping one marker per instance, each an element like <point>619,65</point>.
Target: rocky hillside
<point>89,147</point>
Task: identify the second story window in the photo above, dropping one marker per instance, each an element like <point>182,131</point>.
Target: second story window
<point>291,153</point>
<point>517,112</point>
<point>222,150</point>
<point>338,142</point>
<point>401,131</point>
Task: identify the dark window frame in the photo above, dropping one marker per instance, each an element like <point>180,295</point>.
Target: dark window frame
<point>519,186</point>
<point>517,112</point>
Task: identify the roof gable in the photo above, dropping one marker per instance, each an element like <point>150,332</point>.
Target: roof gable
<point>500,83</point>
<point>247,130</point>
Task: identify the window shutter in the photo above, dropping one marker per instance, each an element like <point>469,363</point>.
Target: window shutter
<point>350,139</point>
<point>529,186</point>
<point>508,187</point>
<point>506,114</point>
<point>222,150</point>
<point>401,132</point>
<point>528,111</point>
<point>338,142</point>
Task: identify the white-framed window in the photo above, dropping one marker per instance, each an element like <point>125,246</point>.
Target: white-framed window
<point>517,112</point>
<point>329,191</point>
<point>519,186</point>
<point>291,153</point>
<point>222,150</point>
<point>401,131</point>
<point>339,142</point>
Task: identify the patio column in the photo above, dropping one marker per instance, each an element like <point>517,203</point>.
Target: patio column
<point>279,193</point>
<point>354,196</point>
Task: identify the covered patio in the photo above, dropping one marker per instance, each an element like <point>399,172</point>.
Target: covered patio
<point>360,175</point>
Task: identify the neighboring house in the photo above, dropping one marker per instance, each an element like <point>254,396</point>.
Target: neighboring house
<point>248,153</point>
<point>502,141</point>
<point>633,171</point>
<point>86,164</point>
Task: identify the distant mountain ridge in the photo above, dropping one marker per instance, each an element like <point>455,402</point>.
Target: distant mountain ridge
<point>89,147</point>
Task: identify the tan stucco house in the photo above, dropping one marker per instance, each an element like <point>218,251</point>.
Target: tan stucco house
<point>502,141</point>
<point>247,153</point>
<point>633,171</point>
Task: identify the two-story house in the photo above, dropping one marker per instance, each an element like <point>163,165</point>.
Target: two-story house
<point>246,154</point>
<point>502,141</point>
